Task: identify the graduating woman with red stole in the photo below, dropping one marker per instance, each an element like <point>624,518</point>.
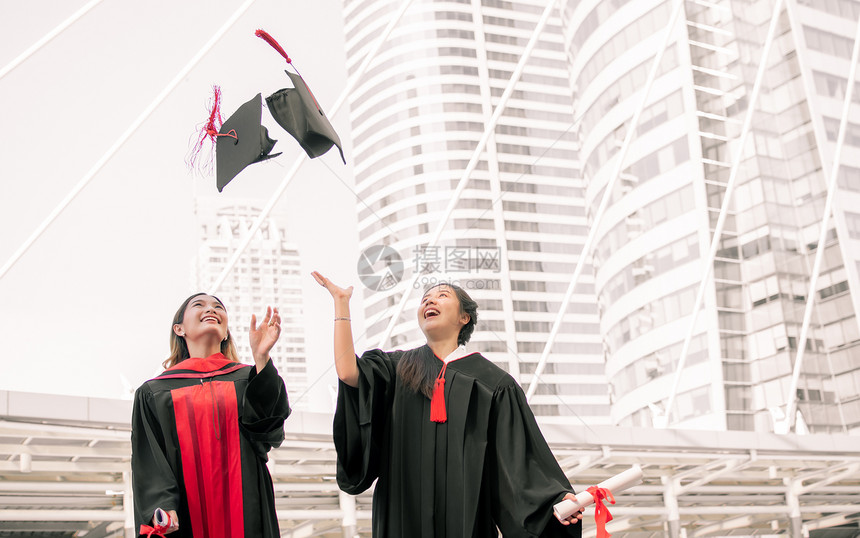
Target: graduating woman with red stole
<point>202,429</point>
<point>447,434</point>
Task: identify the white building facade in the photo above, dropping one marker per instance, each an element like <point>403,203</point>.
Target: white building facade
<point>653,241</point>
<point>267,274</point>
<point>514,236</point>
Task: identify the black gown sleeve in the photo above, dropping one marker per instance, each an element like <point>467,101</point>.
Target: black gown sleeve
<point>154,484</point>
<point>265,407</point>
<point>525,478</point>
<point>361,421</point>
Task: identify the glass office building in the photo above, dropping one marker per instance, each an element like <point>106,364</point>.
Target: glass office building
<point>654,238</point>
<point>518,227</point>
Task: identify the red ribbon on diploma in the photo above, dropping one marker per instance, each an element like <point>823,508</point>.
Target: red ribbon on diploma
<point>158,530</point>
<point>601,512</point>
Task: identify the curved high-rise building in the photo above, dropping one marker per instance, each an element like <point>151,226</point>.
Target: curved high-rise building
<point>653,241</point>
<point>517,229</point>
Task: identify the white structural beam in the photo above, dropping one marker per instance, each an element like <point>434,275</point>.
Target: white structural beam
<point>55,487</point>
<point>791,396</point>
<point>586,462</point>
<point>349,519</point>
<point>351,83</point>
<point>128,502</point>
<point>119,515</point>
<point>849,471</point>
<point>53,466</point>
<point>321,514</point>
<point>58,431</point>
<point>726,466</point>
<point>831,521</point>
<point>673,510</point>
<point>607,195</point>
<point>618,525</point>
<point>132,129</point>
<point>62,515</point>
<point>820,471</point>
<point>662,421</point>
<point>709,467</point>
<point>48,37</point>
<point>473,162</point>
<point>725,525</point>
<point>62,450</point>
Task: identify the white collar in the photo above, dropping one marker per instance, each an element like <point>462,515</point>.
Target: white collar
<point>458,353</point>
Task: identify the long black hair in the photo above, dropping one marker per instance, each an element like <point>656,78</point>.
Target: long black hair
<point>415,366</point>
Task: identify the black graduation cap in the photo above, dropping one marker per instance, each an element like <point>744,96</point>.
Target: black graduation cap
<point>242,140</point>
<point>297,111</point>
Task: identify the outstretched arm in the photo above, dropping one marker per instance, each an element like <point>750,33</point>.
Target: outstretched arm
<point>344,350</point>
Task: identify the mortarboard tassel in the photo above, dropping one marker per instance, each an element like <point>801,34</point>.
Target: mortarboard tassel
<point>437,403</point>
<point>209,131</point>
<point>262,34</point>
<point>215,120</point>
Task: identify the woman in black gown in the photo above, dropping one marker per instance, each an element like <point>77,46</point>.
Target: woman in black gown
<point>448,435</point>
<point>202,429</point>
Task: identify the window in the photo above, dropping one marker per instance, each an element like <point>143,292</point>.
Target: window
<point>852,220</point>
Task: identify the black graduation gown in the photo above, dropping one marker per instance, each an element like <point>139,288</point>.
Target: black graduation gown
<point>487,466</point>
<point>199,438</point>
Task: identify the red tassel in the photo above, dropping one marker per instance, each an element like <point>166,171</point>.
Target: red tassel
<point>209,131</point>
<point>262,34</point>
<point>437,403</point>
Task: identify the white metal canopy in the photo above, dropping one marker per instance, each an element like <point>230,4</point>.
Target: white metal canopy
<point>64,471</point>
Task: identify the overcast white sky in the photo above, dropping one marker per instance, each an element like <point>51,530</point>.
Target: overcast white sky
<point>92,300</point>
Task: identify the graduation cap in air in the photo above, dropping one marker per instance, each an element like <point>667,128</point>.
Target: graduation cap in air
<point>298,112</point>
<point>242,141</point>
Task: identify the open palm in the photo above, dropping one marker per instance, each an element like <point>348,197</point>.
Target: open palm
<point>336,291</point>
<point>264,336</point>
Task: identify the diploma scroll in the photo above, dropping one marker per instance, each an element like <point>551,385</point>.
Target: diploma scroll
<point>162,518</point>
<point>615,484</point>
<point>163,523</point>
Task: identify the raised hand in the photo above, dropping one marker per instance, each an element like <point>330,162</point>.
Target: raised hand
<point>344,350</point>
<point>336,291</point>
<point>264,336</point>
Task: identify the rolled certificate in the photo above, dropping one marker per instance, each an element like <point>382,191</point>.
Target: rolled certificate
<point>615,484</point>
<point>162,518</point>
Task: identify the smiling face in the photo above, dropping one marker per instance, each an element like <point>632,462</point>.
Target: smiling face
<point>205,318</point>
<point>440,316</point>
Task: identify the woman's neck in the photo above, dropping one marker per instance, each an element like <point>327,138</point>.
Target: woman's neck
<point>201,350</point>
<point>443,348</point>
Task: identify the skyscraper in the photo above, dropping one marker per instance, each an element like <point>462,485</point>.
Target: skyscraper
<point>267,274</point>
<point>515,234</point>
<point>653,240</point>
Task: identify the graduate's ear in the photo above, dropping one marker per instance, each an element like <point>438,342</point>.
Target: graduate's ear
<point>465,318</point>
<point>178,330</point>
